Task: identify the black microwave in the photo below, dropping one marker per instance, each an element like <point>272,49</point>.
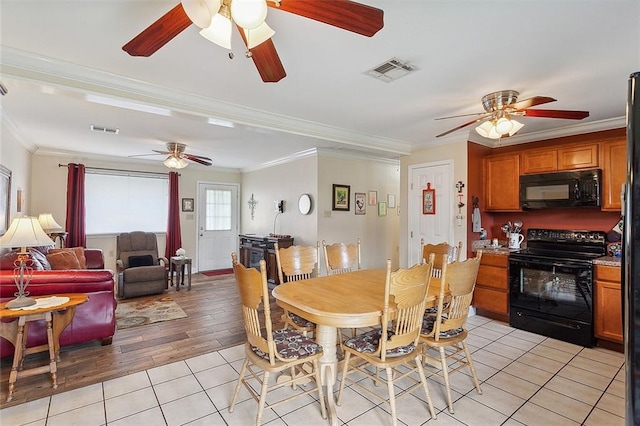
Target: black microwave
<point>580,188</point>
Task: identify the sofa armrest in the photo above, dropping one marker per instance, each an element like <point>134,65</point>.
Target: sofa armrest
<point>95,258</point>
<point>163,261</point>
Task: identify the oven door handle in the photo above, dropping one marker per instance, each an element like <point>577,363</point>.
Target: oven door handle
<point>561,324</point>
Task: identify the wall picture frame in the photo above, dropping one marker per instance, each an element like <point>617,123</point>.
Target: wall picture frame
<point>382,208</point>
<point>360,203</point>
<point>391,201</point>
<point>373,198</point>
<point>187,205</point>
<point>5,198</point>
<point>341,198</point>
<point>428,200</point>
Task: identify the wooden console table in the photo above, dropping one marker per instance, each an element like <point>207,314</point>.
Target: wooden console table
<point>254,248</point>
<point>57,318</point>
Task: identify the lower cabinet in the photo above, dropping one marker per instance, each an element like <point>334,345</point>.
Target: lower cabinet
<point>608,303</point>
<point>491,294</point>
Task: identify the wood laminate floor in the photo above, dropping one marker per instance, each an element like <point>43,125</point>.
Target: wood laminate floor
<point>214,322</point>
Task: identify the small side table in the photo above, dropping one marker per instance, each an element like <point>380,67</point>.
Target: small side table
<point>183,263</point>
<point>57,319</point>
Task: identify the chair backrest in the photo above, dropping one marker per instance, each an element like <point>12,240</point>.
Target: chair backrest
<point>456,292</point>
<point>254,298</point>
<point>296,263</point>
<point>454,253</point>
<point>137,243</point>
<point>402,316</point>
<point>340,257</point>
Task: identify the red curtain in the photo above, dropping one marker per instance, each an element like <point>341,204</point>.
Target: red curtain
<point>75,226</point>
<point>174,235</point>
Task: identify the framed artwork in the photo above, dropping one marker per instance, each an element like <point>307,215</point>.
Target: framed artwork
<point>341,197</point>
<point>5,198</point>
<point>187,204</point>
<point>373,198</point>
<point>428,200</point>
<point>382,208</point>
<point>361,203</point>
<point>391,201</point>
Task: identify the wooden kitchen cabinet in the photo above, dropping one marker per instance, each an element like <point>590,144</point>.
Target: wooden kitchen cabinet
<point>501,177</point>
<point>491,294</point>
<point>608,303</point>
<point>614,173</point>
<point>566,158</point>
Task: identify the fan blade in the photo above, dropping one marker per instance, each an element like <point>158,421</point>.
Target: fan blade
<point>266,59</point>
<point>159,33</point>
<point>464,125</point>
<point>161,152</point>
<point>461,115</point>
<point>528,103</point>
<point>198,159</point>
<point>556,113</point>
<point>345,14</point>
<point>142,155</point>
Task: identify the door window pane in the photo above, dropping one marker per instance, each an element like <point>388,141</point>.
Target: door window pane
<point>217,210</point>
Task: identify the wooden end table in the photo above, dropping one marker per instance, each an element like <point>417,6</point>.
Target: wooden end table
<point>179,264</point>
<point>57,319</point>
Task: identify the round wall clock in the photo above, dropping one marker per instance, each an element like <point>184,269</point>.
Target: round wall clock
<point>304,204</point>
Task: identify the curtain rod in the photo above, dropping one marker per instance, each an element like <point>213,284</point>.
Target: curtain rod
<point>132,172</point>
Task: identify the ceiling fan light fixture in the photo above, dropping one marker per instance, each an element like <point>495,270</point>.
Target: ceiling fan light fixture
<point>516,126</point>
<point>485,129</point>
<point>219,32</point>
<point>249,13</point>
<point>174,162</point>
<point>258,35</point>
<point>201,11</point>
<point>504,125</point>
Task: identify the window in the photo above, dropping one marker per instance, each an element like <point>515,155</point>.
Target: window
<point>218,214</point>
<point>116,203</point>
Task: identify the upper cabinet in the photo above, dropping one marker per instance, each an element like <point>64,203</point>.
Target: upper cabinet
<point>614,173</point>
<point>501,176</point>
<point>565,158</point>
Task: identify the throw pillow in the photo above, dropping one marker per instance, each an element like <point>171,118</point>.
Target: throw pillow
<point>79,251</point>
<point>63,260</point>
<point>135,261</point>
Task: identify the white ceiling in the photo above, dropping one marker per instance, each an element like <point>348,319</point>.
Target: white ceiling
<point>56,53</point>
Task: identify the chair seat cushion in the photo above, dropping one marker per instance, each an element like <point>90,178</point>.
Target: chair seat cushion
<point>368,343</point>
<point>299,321</point>
<point>144,273</point>
<point>427,326</point>
<point>291,344</point>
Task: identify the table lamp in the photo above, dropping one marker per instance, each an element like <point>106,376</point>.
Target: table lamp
<point>48,223</point>
<point>24,232</point>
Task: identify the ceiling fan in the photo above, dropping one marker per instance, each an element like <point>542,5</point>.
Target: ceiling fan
<point>177,158</point>
<point>215,17</point>
<point>501,106</point>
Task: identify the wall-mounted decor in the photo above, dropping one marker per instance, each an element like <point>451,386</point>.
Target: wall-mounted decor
<point>187,204</point>
<point>341,197</point>
<point>361,203</point>
<point>382,208</point>
<point>5,198</point>
<point>391,201</point>
<point>19,200</point>
<point>373,198</point>
<point>252,205</point>
<point>428,200</point>
<point>304,204</point>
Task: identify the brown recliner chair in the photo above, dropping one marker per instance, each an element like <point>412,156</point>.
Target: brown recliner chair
<point>140,270</point>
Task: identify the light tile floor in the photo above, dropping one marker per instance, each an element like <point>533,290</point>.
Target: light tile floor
<point>526,379</point>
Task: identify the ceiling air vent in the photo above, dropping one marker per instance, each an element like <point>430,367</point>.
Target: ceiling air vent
<point>102,129</point>
<point>391,70</point>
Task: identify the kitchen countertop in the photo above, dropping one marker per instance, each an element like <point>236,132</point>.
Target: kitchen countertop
<point>608,261</point>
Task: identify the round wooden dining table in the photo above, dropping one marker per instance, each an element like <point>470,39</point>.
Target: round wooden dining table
<point>350,300</point>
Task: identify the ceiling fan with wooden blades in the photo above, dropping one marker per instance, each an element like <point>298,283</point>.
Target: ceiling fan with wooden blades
<point>177,157</point>
<point>500,108</point>
<point>215,16</point>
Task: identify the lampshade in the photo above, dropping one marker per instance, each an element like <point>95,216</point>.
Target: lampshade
<point>492,129</point>
<point>25,232</point>
<point>503,126</point>
<point>174,162</point>
<point>516,126</point>
<point>201,11</point>
<point>48,223</point>
<point>259,35</point>
<point>219,31</point>
<point>249,13</point>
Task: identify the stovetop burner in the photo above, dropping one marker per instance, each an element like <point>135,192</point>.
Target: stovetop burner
<point>564,244</point>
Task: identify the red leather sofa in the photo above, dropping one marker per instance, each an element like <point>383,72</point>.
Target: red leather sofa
<point>93,320</point>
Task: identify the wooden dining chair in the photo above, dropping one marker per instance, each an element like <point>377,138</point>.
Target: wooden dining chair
<point>443,328</point>
<point>454,253</point>
<point>296,263</point>
<point>398,353</point>
<point>272,351</point>
<point>340,258</point>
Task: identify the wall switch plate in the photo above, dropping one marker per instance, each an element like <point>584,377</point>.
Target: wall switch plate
<point>327,213</point>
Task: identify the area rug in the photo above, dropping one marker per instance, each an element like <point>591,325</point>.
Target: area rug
<point>132,313</point>
<point>217,272</point>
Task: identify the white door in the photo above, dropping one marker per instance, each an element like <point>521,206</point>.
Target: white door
<point>217,225</point>
<point>433,228</point>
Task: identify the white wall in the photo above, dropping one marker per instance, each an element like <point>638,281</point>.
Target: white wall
<point>17,158</point>
<point>457,152</point>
